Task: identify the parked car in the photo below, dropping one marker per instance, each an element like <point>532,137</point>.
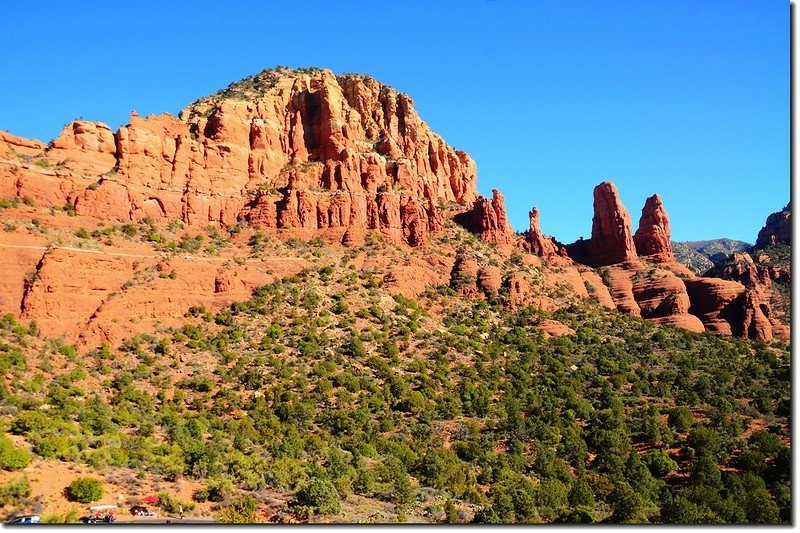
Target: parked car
<point>141,510</point>
<point>27,519</point>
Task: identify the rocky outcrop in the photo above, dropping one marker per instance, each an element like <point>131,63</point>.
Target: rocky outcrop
<point>85,147</point>
<point>537,243</point>
<point>596,289</point>
<point>489,219</point>
<point>611,241</point>
<point>766,272</point>
<point>669,293</point>
<point>620,286</point>
<point>464,275</point>
<point>778,228</point>
<point>310,154</point>
<point>712,300</point>
<point>665,301</point>
<point>490,279</point>
<point>90,296</point>
<point>554,328</point>
<point>12,146</point>
<point>652,239</point>
<point>414,275</point>
<point>741,267</point>
<point>288,150</point>
<point>519,290</point>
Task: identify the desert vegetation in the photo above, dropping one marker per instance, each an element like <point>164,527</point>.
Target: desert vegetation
<point>358,405</point>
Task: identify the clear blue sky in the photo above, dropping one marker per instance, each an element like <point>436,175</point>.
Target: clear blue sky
<point>687,98</point>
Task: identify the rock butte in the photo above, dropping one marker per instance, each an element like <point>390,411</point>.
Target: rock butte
<point>311,154</point>
<point>777,230</point>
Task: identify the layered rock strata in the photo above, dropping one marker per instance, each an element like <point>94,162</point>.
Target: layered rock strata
<point>301,151</point>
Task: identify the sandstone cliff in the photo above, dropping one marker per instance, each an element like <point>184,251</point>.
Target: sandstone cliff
<point>302,151</point>
<point>766,272</point>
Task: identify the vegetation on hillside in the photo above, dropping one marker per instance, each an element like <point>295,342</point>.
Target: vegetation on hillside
<point>324,387</point>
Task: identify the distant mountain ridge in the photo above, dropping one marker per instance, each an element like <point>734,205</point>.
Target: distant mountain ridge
<point>766,268</point>
<point>703,255</point>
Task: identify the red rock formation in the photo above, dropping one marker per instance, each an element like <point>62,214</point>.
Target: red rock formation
<point>712,300</point>
<point>464,276</point>
<point>764,311</point>
<point>490,279</point>
<point>305,151</point>
<point>595,288</point>
<point>489,219</point>
<point>89,296</point>
<point>755,320</point>
<point>611,241</point>
<point>741,267</point>
<point>311,154</point>
<point>665,301</point>
<point>620,285</point>
<point>554,328</point>
<point>87,147</point>
<point>540,245</point>
<point>11,146</point>
<point>519,290</point>
<point>652,239</point>
<point>777,230</point>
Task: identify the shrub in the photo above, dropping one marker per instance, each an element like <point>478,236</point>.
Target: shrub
<point>15,490</point>
<point>680,419</point>
<point>129,230</point>
<point>659,463</point>
<point>242,510</point>
<point>321,495</point>
<point>30,422</point>
<point>12,458</point>
<point>85,490</point>
<point>173,506</point>
<point>70,517</point>
<point>216,490</point>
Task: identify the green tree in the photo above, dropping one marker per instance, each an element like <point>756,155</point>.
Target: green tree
<point>577,515</point>
<point>85,490</point>
<point>680,419</point>
<point>679,510</point>
<point>320,494</point>
<point>627,505</point>
<point>705,471</point>
<point>14,490</point>
<point>758,504</point>
<point>581,493</point>
<point>659,463</point>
